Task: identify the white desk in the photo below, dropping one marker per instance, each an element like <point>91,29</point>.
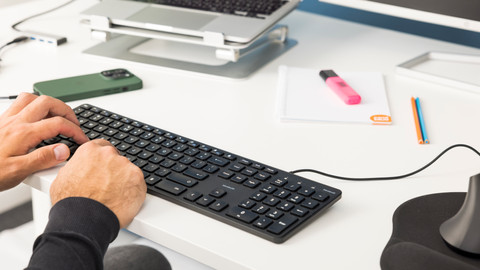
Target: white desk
<point>238,116</point>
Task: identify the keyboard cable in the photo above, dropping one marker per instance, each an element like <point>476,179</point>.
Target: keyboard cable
<point>387,177</point>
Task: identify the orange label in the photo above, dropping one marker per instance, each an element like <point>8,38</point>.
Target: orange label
<point>381,119</point>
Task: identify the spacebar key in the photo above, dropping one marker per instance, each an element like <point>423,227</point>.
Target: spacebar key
<point>171,187</point>
<point>182,179</point>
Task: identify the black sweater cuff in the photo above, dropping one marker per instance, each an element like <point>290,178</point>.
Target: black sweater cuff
<point>86,217</point>
<point>77,236</point>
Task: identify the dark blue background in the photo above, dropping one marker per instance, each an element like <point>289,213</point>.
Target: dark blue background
<point>449,34</point>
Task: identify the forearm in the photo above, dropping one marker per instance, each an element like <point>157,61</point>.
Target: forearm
<point>77,236</point>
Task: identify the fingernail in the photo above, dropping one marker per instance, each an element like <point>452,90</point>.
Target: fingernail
<point>61,152</point>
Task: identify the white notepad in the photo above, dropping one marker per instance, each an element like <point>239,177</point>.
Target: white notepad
<point>304,96</point>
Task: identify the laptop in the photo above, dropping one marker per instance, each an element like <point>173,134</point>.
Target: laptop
<point>241,22</point>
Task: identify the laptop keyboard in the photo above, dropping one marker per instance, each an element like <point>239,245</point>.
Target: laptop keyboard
<point>249,8</point>
<point>249,195</point>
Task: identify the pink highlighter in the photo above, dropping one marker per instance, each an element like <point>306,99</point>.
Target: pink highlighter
<point>340,87</point>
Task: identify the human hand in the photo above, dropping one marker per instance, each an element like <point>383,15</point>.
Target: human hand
<point>30,120</point>
<point>98,172</point>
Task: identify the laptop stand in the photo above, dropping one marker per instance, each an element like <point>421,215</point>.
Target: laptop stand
<point>208,55</point>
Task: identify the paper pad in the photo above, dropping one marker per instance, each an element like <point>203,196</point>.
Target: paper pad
<point>304,96</point>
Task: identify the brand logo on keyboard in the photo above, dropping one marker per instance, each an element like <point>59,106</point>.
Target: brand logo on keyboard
<point>329,191</point>
<point>229,187</point>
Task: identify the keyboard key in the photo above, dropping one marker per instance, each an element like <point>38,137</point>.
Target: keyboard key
<point>205,201</point>
<point>239,178</point>
<point>320,196</point>
<point>179,168</point>
<point>217,152</point>
<point>260,209</point>
<point>299,211</point>
<point>187,160</point>
<point>199,164</point>
<point>167,163</point>
<point>268,189</point>
<point>152,147</point>
<point>245,161</point>
<point>141,144</point>
<point>180,147</point>
<point>203,156</point>
<point>140,163</point>
<point>262,176</point>
<point>169,143</point>
<point>218,206</point>
<point>157,139</point>
<point>306,191</point>
<point>249,172</point>
<point>271,201</point>
<point>281,193</point>
<point>236,167</point>
<point>311,204</point>
<point>147,135</point>
<point>145,155</point>
<point>247,204</point>
<point>282,224</point>
<point>226,174</point>
<point>126,128</point>
<point>279,182</point>
<point>242,214</point>
<point>274,214</point>
<point>196,174</point>
<point>218,161</point>
<point>292,187</point>
<point>218,192</point>
<point>263,222</point>
<point>164,152</point>
<point>192,152</point>
<point>229,156</point>
<point>192,143</point>
<point>92,135</point>
<point>175,156</point>
<point>257,166</point>
<point>210,168</point>
<point>192,196</point>
<point>171,187</point>
<point>259,196</point>
<point>285,206</point>
<point>150,168</point>
<point>152,180</point>
<point>162,172</point>
<point>252,183</point>
<point>296,198</point>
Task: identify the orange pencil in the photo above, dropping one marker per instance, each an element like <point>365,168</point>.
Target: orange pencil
<point>417,123</point>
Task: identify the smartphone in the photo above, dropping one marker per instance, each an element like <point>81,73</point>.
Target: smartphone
<point>91,85</point>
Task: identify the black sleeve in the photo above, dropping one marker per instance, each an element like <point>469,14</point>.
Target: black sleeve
<point>77,236</point>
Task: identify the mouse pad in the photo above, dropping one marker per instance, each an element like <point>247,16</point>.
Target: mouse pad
<point>416,243</point>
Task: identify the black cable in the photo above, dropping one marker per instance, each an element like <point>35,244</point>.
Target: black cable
<point>9,97</point>
<point>14,26</point>
<point>388,177</point>
<point>16,40</point>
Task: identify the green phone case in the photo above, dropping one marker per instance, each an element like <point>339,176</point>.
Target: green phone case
<point>91,85</point>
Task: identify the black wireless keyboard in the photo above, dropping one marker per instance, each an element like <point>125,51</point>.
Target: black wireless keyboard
<point>252,196</point>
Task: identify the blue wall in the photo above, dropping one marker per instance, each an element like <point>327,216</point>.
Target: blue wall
<point>404,25</point>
